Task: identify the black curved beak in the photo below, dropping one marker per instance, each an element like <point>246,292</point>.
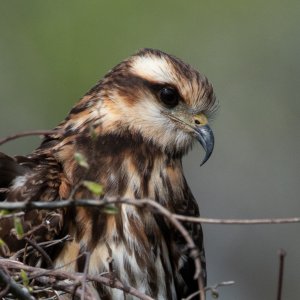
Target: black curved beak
<point>206,138</point>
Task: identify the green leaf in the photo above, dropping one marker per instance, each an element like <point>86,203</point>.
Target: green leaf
<point>214,294</point>
<point>110,209</point>
<point>81,160</point>
<point>94,187</point>
<point>2,243</point>
<point>25,278</point>
<point>4,212</point>
<point>18,227</point>
<point>93,133</point>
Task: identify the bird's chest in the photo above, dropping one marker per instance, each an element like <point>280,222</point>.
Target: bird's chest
<point>131,246</point>
<point>138,256</point>
<point>133,243</point>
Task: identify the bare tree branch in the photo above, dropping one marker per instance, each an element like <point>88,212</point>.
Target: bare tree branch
<point>41,251</point>
<point>25,133</point>
<point>282,255</point>
<point>212,288</point>
<point>5,290</point>
<point>59,286</point>
<point>85,272</point>
<point>47,244</point>
<point>17,290</point>
<point>12,206</point>
<point>237,221</point>
<point>13,215</point>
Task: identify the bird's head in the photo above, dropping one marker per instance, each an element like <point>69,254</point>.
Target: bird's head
<point>158,97</point>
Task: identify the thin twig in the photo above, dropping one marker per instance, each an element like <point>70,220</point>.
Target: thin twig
<point>210,288</point>
<point>6,288</point>
<point>237,221</point>
<point>19,291</point>
<point>119,285</point>
<point>85,272</point>
<point>41,251</point>
<point>72,288</point>
<point>75,290</point>
<point>4,291</point>
<point>33,230</point>
<point>11,206</point>
<point>60,286</point>
<point>13,215</point>
<point>48,272</point>
<point>25,133</point>
<point>282,255</point>
<point>42,244</point>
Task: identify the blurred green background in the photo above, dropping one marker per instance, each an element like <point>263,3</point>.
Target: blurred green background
<point>52,52</point>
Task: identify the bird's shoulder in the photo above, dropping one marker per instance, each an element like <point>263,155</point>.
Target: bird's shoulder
<point>36,177</point>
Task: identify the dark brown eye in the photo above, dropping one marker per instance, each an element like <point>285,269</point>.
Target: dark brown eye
<point>169,96</point>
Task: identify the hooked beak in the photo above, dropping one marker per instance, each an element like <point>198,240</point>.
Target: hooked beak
<point>201,131</point>
<point>204,135</point>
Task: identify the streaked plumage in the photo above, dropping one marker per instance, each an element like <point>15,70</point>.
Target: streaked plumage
<point>133,128</point>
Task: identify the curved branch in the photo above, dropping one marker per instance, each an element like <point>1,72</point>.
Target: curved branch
<point>24,134</point>
<point>17,290</point>
<point>13,206</point>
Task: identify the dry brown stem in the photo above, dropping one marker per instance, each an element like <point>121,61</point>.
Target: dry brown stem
<point>24,134</point>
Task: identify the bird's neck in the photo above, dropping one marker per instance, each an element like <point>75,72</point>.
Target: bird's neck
<point>128,166</point>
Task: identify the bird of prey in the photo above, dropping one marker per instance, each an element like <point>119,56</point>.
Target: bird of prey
<point>132,130</point>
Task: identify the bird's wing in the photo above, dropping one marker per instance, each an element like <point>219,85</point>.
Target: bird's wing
<point>30,179</point>
<point>189,207</point>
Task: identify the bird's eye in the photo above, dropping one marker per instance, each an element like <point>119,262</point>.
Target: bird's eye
<point>169,96</point>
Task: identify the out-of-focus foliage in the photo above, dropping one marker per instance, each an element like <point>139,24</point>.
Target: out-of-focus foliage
<point>52,52</point>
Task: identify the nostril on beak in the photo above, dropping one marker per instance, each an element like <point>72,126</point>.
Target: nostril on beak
<point>200,119</point>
